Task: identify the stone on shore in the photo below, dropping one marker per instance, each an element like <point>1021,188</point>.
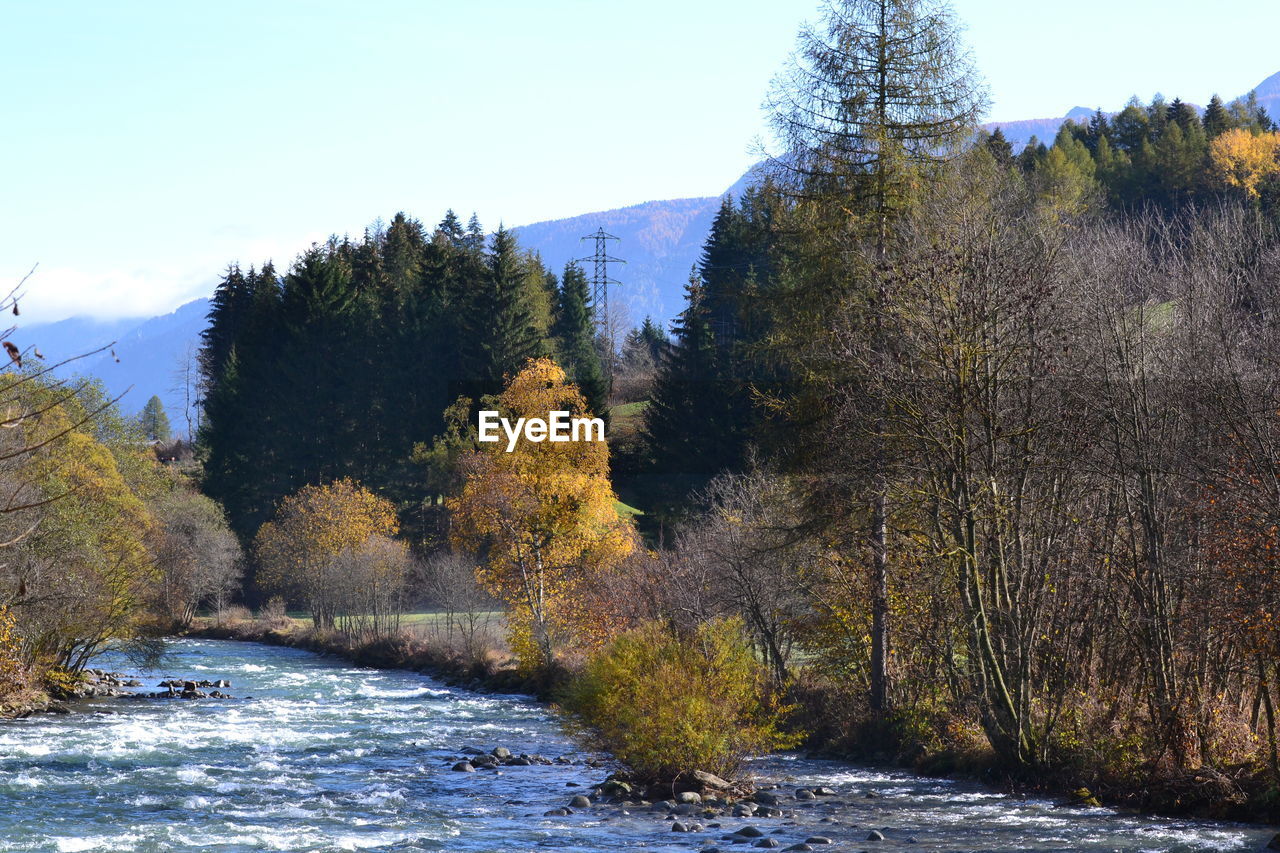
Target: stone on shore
<point>711,780</point>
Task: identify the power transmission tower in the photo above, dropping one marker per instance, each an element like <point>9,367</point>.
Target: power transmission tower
<point>600,280</point>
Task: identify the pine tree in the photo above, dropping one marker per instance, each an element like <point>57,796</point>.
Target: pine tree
<point>999,147</point>
<point>685,411</point>
<point>574,334</point>
<point>1216,118</point>
<point>1098,130</point>
<point>227,312</point>
<point>653,338</point>
<point>154,422</point>
<point>499,328</point>
<point>473,240</point>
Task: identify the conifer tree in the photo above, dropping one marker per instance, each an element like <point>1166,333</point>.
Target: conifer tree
<point>500,332</point>
<point>999,148</point>
<point>1216,118</point>
<point>875,98</point>
<point>575,335</point>
<point>686,409</point>
<point>154,422</point>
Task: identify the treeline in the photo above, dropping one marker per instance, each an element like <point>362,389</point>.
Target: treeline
<point>100,542</point>
<point>1165,154</point>
<point>344,363</point>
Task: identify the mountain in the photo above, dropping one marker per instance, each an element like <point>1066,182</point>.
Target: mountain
<point>147,354</point>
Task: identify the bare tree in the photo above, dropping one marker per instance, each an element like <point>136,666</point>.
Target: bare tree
<point>448,582</point>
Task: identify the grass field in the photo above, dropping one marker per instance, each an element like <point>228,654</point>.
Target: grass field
<point>421,621</point>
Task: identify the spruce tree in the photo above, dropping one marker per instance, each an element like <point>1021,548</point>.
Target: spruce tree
<point>500,331</point>
<point>999,147</point>
<point>685,411</point>
<point>1216,118</point>
<point>575,335</point>
<point>154,422</point>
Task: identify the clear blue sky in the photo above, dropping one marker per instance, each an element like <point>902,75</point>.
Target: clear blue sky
<point>148,144</point>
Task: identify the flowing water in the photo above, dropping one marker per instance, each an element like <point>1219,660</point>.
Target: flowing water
<point>326,756</point>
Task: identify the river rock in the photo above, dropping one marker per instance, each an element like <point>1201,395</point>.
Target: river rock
<point>689,797</point>
<point>519,762</point>
<point>818,839</point>
<point>711,780</point>
<point>875,835</point>
<point>615,788</point>
<point>557,813</point>
<point>824,791</point>
<point>1275,842</point>
<point>800,848</point>
<point>749,832</point>
<point>501,753</point>
<point>580,802</point>
<point>765,798</point>
<point>464,767</point>
<point>805,794</point>
<point>678,826</point>
<point>767,842</point>
<point>744,809</point>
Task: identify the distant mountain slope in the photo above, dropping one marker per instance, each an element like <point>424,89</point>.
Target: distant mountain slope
<point>1019,133</point>
<point>1268,92</point>
<point>149,352</point>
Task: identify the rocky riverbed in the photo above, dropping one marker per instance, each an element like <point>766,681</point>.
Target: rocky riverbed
<point>318,755</point>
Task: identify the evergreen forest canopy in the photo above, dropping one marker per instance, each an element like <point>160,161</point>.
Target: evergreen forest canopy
<point>340,366</point>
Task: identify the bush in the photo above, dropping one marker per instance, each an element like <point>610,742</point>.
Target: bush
<point>273,614</point>
<point>13,674</point>
<point>667,704</point>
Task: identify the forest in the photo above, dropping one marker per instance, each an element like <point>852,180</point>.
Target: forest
<point>959,456</point>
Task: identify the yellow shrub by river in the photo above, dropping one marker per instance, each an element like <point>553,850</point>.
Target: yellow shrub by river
<point>667,704</point>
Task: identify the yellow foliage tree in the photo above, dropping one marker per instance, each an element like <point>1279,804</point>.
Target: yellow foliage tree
<point>84,568</point>
<point>303,551</point>
<point>1244,160</point>
<point>544,519</point>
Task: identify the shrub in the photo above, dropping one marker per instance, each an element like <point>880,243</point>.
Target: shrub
<point>667,704</point>
<point>13,674</point>
<point>274,615</point>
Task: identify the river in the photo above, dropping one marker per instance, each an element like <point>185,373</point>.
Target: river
<point>325,756</point>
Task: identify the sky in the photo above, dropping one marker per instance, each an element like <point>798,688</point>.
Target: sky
<point>147,145</point>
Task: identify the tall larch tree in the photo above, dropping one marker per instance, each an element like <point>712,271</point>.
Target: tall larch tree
<point>874,99</point>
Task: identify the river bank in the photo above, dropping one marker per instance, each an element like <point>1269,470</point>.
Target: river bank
<point>317,755</point>
<point>1200,794</point>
